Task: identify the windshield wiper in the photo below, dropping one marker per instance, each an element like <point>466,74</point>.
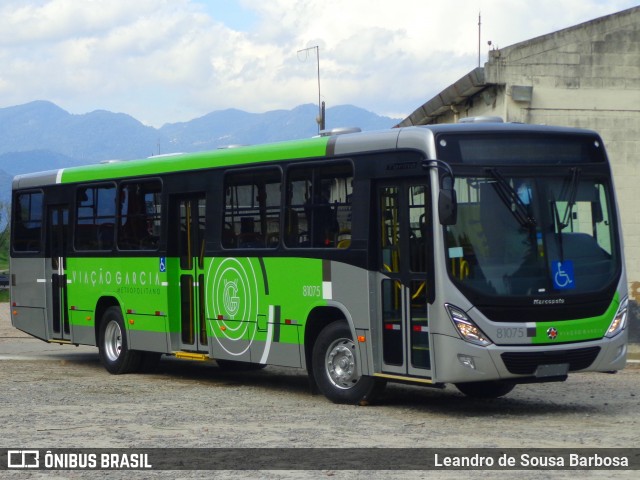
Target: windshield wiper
<point>571,201</point>
<point>512,200</point>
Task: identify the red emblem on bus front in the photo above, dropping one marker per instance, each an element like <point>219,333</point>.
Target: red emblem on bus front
<point>552,333</point>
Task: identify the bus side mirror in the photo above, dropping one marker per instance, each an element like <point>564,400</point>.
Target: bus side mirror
<point>447,206</point>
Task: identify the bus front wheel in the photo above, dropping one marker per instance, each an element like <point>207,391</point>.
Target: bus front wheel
<point>336,370</point>
<point>113,349</point>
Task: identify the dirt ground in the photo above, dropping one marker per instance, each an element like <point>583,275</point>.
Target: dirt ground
<point>55,396</point>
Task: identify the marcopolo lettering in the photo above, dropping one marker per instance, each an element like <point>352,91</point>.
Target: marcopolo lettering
<point>548,301</point>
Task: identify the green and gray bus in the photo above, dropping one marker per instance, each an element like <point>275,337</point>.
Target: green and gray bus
<point>477,254</point>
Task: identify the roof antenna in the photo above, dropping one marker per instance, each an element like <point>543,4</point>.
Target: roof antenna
<point>479,34</point>
<point>320,117</point>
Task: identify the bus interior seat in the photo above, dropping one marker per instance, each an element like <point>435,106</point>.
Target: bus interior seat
<point>248,237</point>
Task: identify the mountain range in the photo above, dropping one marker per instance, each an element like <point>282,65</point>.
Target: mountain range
<point>42,136</point>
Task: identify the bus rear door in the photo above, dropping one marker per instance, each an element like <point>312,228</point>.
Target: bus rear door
<point>55,270</point>
<point>189,227</point>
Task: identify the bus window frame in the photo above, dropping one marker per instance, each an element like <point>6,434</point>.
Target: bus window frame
<point>315,166</point>
<point>76,206</point>
<point>13,222</point>
<point>161,218</point>
<point>256,171</point>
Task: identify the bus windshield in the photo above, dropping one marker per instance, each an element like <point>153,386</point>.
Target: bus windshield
<point>534,236</point>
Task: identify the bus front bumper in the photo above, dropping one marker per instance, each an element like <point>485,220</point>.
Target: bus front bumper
<point>458,361</point>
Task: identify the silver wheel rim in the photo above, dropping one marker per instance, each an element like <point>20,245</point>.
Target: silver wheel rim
<point>113,341</point>
<point>340,363</point>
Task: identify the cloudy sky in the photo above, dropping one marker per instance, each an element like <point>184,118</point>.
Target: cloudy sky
<point>166,61</point>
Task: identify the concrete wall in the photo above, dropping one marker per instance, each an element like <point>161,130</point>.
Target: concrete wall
<point>586,76</point>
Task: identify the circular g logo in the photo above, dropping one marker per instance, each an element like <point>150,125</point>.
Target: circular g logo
<point>231,299</point>
<point>232,303</point>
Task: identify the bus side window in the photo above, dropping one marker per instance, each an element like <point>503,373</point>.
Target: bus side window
<point>296,230</point>
<point>95,217</point>
<point>139,216</point>
<point>27,222</point>
<point>252,209</point>
<point>318,209</point>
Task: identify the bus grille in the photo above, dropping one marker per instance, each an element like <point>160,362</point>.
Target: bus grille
<point>526,363</point>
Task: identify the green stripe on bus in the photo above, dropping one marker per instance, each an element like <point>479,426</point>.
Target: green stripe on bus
<point>308,148</point>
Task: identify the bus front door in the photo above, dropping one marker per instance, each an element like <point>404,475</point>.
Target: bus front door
<point>190,233</point>
<point>404,226</point>
<point>57,308</point>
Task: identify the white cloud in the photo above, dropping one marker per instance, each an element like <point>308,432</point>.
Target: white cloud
<point>170,60</point>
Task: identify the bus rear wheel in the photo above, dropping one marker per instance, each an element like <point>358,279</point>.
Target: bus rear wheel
<point>489,389</point>
<point>336,370</point>
<point>113,349</point>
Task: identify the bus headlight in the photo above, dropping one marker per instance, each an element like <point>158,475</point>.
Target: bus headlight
<point>619,320</point>
<point>468,330</point>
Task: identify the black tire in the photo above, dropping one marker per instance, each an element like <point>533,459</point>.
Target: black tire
<point>112,344</point>
<point>336,370</point>
<point>492,389</point>
<point>235,366</point>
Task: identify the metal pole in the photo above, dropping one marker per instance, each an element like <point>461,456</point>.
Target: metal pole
<point>320,119</point>
<point>320,112</point>
<point>479,30</point>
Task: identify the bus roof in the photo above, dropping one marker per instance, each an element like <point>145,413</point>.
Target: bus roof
<point>418,138</point>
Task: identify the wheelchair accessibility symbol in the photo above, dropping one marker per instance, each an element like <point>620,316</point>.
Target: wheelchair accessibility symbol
<point>562,272</point>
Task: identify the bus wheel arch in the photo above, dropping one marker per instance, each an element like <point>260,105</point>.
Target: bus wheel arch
<point>113,345</point>
<point>332,360</point>
<point>101,307</point>
<point>318,319</point>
